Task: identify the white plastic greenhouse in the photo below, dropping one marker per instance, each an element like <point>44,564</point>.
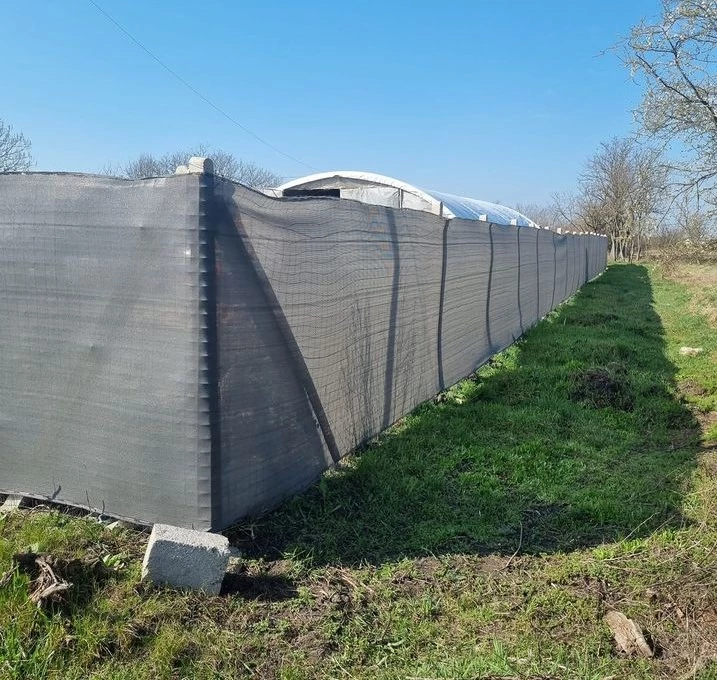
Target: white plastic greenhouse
<point>368,187</point>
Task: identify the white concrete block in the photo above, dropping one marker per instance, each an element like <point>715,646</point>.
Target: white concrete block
<point>12,503</point>
<point>184,558</point>
<point>198,164</point>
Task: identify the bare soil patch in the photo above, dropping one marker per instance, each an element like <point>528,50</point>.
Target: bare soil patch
<point>603,387</point>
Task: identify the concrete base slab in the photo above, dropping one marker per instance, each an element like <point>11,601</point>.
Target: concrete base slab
<point>184,558</point>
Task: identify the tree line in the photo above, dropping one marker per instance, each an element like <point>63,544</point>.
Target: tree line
<point>16,156</point>
<point>226,165</point>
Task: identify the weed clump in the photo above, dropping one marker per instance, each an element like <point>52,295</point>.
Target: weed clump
<point>603,387</point>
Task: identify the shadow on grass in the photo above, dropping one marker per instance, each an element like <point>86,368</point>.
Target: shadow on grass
<point>572,437</point>
<point>262,587</point>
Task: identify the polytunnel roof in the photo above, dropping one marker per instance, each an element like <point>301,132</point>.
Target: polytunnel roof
<point>448,205</point>
<point>474,209</point>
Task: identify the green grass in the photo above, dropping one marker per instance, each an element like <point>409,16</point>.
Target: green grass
<point>522,444</point>
<point>484,536</point>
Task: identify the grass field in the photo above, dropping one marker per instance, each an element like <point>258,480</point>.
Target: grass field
<point>484,536</point>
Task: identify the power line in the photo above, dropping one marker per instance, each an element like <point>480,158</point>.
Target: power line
<point>188,85</point>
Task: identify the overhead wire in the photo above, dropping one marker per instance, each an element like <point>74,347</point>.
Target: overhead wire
<point>194,90</point>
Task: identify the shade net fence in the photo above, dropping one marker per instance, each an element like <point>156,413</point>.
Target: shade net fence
<point>189,351</point>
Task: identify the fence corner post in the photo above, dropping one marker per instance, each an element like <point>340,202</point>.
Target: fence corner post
<point>196,165</point>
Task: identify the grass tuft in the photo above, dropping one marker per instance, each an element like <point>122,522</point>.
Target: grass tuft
<point>603,387</point>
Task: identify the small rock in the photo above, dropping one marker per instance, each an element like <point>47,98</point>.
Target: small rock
<point>120,524</point>
<point>236,559</point>
<point>691,351</point>
<point>628,635</point>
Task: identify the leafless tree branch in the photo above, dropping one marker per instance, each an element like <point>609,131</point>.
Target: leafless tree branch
<point>15,153</point>
<point>225,165</point>
<point>675,60</point>
<point>621,191</point>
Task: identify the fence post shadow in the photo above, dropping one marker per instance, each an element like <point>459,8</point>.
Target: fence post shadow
<point>516,451</point>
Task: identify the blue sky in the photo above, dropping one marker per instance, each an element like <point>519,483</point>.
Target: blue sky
<point>498,100</point>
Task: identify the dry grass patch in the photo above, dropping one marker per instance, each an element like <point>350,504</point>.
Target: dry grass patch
<point>702,281</point>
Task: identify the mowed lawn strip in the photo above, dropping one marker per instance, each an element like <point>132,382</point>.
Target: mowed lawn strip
<point>483,536</point>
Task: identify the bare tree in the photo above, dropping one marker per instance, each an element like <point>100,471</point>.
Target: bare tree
<point>692,224</point>
<point>14,150</point>
<point>675,59</point>
<point>225,165</point>
<point>545,215</point>
<point>145,165</point>
<point>568,212</point>
<point>620,193</point>
<point>687,234</point>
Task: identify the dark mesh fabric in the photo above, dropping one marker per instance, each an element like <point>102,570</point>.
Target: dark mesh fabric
<point>336,318</point>
<point>186,350</point>
<point>99,396</point>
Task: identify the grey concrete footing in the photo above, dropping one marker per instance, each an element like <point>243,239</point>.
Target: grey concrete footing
<point>12,503</point>
<point>196,165</point>
<point>184,558</point>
